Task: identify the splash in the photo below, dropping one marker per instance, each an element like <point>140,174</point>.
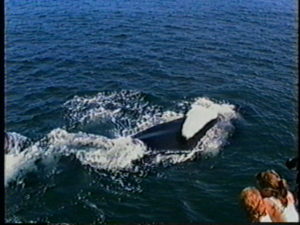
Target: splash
<point>95,151</point>
<point>130,114</point>
<point>15,142</point>
<point>18,163</point>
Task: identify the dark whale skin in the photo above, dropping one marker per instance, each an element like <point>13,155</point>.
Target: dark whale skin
<point>167,136</point>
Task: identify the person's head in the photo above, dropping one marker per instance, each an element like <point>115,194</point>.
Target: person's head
<point>253,203</point>
<point>271,184</point>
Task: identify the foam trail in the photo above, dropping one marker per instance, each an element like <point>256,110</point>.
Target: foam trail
<point>127,110</point>
<point>104,106</point>
<point>97,151</point>
<point>93,150</point>
<point>130,113</point>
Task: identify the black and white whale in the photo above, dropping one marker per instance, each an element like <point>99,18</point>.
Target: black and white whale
<point>180,134</point>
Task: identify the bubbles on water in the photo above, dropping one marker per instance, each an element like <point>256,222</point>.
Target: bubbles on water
<point>130,113</point>
<point>15,142</point>
<point>19,163</point>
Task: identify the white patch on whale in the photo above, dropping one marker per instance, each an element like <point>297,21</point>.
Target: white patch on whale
<point>196,119</point>
<point>214,139</point>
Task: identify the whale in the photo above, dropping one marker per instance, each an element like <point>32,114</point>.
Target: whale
<point>168,136</point>
<point>180,134</point>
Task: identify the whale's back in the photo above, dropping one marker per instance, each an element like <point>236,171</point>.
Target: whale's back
<point>164,136</point>
<point>168,136</point>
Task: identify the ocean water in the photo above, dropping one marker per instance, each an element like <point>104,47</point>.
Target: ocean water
<point>83,76</point>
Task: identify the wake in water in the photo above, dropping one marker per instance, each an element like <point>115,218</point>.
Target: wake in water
<point>129,114</point>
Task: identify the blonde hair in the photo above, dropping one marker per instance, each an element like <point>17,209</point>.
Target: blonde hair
<point>253,203</point>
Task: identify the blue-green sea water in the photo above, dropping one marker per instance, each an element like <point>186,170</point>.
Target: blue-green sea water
<point>82,76</point>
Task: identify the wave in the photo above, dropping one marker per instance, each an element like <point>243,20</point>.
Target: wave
<point>130,113</point>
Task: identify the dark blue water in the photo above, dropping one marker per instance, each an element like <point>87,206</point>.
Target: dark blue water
<point>165,52</point>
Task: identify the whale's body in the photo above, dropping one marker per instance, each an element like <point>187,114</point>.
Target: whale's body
<point>168,136</point>
<point>180,134</point>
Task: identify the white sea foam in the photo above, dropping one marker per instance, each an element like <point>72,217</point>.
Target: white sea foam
<point>122,152</point>
<point>127,110</point>
<point>98,151</point>
<point>18,163</point>
<point>93,150</point>
<point>15,142</point>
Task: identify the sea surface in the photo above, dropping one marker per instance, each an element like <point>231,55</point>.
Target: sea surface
<point>82,77</point>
